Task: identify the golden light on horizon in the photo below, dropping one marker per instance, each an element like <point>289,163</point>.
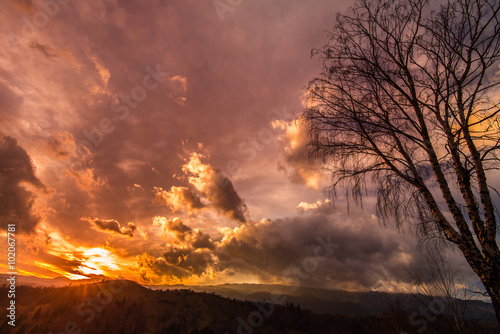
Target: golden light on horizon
<point>81,261</point>
<point>55,269</point>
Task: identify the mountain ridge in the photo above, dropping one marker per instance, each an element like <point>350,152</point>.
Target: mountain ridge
<point>126,307</point>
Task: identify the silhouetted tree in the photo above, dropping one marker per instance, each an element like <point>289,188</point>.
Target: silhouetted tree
<point>436,277</point>
<point>406,99</point>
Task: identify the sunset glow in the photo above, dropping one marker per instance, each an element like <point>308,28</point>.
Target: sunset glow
<point>155,143</point>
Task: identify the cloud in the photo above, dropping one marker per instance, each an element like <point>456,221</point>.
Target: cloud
<point>101,69</point>
<point>184,236</point>
<point>24,6</point>
<point>215,187</point>
<point>193,261</point>
<point>101,58</point>
<point>112,226</point>
<point>18,187</point>
<point>188,253</point>
<point>364,255</point>
<point>61,145</point>
<point>45,50</point>
<point>86,178</point>
<point>368,256</point>
<point>295,154</point>
<point>178,86</point>
<point>134,187</point>
<point>319,205</point>
<point>61,264</point>
<point>156,270</point>
<point>76,161</point>
<point>180,198</point>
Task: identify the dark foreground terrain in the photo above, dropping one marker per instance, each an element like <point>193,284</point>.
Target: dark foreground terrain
<point>127,307</point>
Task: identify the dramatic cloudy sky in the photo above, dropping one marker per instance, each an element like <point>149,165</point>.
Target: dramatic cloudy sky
<point>155,140</point>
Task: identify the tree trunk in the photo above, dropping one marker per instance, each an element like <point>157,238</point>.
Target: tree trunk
<point>493,288</point>
<point>490,277</point>
<point>487,268</point>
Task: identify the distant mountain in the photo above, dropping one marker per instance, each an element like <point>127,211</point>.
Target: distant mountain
<point>339,302</point>
<point>38,281</point>
<point>125,307</point>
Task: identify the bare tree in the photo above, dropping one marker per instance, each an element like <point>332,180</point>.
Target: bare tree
<point>436,278</point>
<point>406,100</point>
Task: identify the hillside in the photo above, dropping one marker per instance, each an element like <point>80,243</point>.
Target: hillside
<point>319,300</point>
<point>126,307</point>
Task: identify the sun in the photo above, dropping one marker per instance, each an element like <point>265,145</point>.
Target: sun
<point>98,261</point>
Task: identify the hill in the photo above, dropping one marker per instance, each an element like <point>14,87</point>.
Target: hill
<point>127,307</point>
<point>326,301</point>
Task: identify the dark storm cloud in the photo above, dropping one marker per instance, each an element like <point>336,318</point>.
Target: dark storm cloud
<point>111,225</point>
<point>178,228</point>
<point>186,258</point>
<point>215,187</point>
<point>183,234</point>
<point>224,197</point>
<point>367,254</point>
<point>18,184</point>
<point>201,241</point>
<point>360,253</point>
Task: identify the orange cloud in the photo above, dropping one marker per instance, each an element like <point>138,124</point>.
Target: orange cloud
<point>295,155</point>
<point>215,187</point>
<point>180,198</point>
<point>178,87</point>
<point>75,161</point>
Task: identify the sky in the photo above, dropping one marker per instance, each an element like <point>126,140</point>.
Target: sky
<point>158,141</point>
